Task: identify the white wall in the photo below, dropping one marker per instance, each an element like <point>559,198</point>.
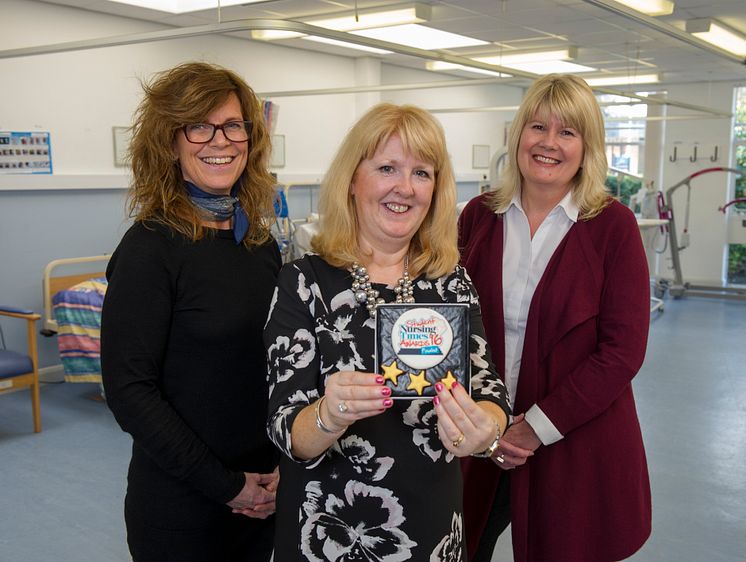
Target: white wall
<point>79,96</point>
<point>463,130</point>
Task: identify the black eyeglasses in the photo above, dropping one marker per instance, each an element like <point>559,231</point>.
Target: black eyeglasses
<point>201,133</point>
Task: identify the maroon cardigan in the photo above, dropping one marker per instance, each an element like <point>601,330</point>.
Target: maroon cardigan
<point>585,498</point>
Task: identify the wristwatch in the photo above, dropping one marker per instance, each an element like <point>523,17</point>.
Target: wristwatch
<point>489,451</point>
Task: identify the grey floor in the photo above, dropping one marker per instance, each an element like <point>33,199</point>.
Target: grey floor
<point>61,491</point>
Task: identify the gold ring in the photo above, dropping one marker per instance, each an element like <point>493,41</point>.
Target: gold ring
<point>342,407</point>
<point>499,459</point>
<point>460,440</point>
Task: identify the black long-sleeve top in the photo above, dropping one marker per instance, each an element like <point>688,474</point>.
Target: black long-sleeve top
<point>183,361</point>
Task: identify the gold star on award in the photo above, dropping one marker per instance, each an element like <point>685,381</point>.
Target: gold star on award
<point>391,372</point>
<point>418,382</point>
<point>448,380</point>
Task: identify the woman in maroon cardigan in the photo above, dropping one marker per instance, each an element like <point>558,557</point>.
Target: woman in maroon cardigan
<point>563,282</point>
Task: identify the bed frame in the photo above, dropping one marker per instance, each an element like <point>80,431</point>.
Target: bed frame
<point>52,284</point>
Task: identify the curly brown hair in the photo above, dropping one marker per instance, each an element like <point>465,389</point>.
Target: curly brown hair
<point>187,93</point>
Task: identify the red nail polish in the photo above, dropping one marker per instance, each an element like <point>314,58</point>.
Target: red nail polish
<point>438,387</point>
<point>436,401</point>
<point>387,402</point>
<point>454,385</point>
<point>386,391</point>
<point>379,379</point>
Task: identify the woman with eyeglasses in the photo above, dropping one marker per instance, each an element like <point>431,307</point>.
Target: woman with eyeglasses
<point>189,289</point>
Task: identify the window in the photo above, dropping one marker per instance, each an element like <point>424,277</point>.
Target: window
<point>625,141</point>
<point>740,143</point>
<point>737,252</point>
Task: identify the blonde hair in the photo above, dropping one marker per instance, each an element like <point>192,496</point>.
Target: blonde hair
<point>434,247</point>
<point>187,94</point>
<point>571,100</point>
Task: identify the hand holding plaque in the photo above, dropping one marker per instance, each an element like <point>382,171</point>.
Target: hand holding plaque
<point>419,345</point>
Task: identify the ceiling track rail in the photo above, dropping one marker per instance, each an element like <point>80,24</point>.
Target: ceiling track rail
<point>607,120</point>
<point>253,25</point>
<point>709,112</point>
<point>302,27</point>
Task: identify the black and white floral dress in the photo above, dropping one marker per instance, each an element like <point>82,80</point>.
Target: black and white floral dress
<point>387,490</point>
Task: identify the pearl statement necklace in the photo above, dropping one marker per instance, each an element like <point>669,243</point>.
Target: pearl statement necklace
<point>365,293</point>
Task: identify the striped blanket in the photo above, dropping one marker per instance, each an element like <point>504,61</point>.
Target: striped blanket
<point>77,311</point>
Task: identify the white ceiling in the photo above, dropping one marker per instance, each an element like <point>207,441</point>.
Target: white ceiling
<point>605,40</point>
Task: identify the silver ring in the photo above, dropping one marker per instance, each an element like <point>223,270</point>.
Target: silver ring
<point>342,407</point>
<point>500,459</point>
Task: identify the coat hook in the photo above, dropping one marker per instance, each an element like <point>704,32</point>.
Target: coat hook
<point>693,157</point>
<point>714,157</point>
<point>672,158</point>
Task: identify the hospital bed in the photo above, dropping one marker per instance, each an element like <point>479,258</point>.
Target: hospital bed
<point>72,313</point>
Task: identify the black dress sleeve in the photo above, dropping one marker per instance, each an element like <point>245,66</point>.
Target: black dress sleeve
<point>292,352</point>
<point>136,320</point>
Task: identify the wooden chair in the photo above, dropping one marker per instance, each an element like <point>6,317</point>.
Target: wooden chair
<point>22,371</point>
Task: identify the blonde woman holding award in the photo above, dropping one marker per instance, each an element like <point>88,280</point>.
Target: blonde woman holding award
<point>365,475</point>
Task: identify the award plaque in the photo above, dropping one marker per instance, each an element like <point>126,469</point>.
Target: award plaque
<point>419,345</point>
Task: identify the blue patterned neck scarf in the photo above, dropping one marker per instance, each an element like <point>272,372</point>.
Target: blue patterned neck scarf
<point>221,207</point>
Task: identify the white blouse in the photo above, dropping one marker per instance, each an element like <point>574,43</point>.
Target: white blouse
<point>524,262</point>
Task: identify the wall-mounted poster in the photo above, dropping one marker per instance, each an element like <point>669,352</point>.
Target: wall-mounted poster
<point>25,153</point>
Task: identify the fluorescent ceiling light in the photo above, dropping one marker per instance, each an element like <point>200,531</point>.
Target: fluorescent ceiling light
<point>623,80</point>
<point>718,34</point>
<point>548,67</point>
<point>539,62</point>
<point>504,59</point>
<point>649,7</point>
<point>347,45</point>
<point>416,13</point>
<point>183,6</point>
<point>274,34</point>
<point>403,15</point>
<point>613,99</point>
<point>420,37</point>
<point>441,65</point>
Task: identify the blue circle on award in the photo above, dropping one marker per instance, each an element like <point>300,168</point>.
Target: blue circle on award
<point>421,338</point>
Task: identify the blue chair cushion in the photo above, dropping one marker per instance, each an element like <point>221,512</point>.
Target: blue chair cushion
<point>13,364</point>
<point>15,309</point>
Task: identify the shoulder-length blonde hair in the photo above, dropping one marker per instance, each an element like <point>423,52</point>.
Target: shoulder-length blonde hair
<point>187,94</point>
<point>571,100</point>
<point>434,247</point>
